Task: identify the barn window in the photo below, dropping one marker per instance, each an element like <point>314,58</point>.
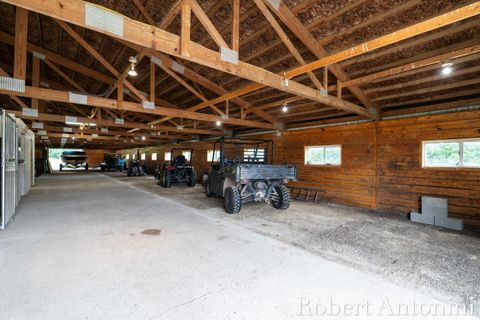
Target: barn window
<point>168,156</point>
<point>454,153</point>
<point>323,155</point>
<point>187,154</point>
<point>210,156</point>
<point>142,156</point>
<point>154,156</point>
<point>254,155</point>
<point>127,156</point>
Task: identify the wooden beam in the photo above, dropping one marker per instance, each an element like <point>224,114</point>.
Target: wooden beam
<point>286,40</point>
<point>207,24</point>
<point>236,25</point>
<point>411,66</point>
<point>443,20</point>
<point>304,35</point>
<point>157,39</point>
<point>109,123</point>
<point>21,35</point>
<point>171,14</point>
<point>35,79</point>
<point>99,57</point>
<point>144,12</point>
<point>185,28</point>
<point>152,81</point>
<point>63,96</point>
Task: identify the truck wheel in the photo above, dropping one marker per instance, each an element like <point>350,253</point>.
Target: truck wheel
<point>61,167</point>
<point>283,200</point>
<point>233,201</point>
<point>193,179</point>
<point>86,167</point>
<point>167,179</point>
<point>206,186</point>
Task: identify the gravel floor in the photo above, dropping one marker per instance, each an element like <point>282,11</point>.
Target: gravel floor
<point>442,263</point>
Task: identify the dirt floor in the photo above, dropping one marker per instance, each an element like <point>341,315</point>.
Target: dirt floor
<point>444,264</point>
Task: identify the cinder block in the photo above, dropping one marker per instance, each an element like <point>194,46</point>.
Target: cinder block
<point>436,206</point>
<point>449,223</point>
<point>424,218</point>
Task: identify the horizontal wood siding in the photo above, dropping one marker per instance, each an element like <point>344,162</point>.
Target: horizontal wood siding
<point>381,164</point>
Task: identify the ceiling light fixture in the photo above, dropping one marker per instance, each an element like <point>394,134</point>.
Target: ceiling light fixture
<point>284,108</point>
<point>218,123</point>
<point>447,68</point>
<point>285,80</point>
<point>143,138</point>
<point>133,62</point>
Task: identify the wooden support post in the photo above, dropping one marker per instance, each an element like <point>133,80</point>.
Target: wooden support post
<point>339,89</point>
<point>35,79</point>
<point>242,113</point>
<point>236,25</point>
<point>99,114</point>
<point>152,81</point>
<point>21,34</point>
<point>227,108</point>
<point>185,32</point>
<point>325,77</point>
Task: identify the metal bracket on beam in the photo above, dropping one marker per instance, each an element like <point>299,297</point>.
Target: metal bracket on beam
<point>12,84</point>
<point>29,112</point>
<point>229,55</point>
<point>275,4</point>
<point>104,20</point>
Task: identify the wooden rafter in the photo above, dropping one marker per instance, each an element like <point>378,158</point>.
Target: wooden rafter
<point>158,39</point>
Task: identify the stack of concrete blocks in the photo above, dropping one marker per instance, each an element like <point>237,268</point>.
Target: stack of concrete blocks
<point>435,212</point>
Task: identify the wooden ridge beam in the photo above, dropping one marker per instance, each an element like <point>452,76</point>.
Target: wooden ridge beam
<point>145,35</point>
<point>63,96</point>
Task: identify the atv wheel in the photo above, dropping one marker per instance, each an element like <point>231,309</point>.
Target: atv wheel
<point>233,201</point>
<point>206,186</point>
<point>282,199</point>
<point>193,179</point>
<point>167,179</point>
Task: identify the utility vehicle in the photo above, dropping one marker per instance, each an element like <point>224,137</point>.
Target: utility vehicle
<point>112,161</point>
<point>179,170</point>
<point>242,172</point>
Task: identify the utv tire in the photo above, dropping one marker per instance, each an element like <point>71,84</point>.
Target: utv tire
<point>232,200</point>
<point>193,179</point>
<point>167,179</point>
<point>284,197</point>
<point>208,191</point>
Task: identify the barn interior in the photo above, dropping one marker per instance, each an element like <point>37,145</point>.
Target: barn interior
<point>233,159</point>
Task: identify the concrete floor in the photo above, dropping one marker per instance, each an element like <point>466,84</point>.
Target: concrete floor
<point>86,246</point>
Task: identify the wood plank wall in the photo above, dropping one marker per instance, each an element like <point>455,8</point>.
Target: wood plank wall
<point>381,164</point>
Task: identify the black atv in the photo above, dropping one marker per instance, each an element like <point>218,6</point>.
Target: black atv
<point>136,169</point>
<point>245,173</point>
<point>179,170</point>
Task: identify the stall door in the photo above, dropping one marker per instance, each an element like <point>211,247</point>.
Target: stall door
<point>9,168</point>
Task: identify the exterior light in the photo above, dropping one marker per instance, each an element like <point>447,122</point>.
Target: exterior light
<point>447,68</point>
<point>285,108</point>
<point>218,123</point>
<point>133,62</point>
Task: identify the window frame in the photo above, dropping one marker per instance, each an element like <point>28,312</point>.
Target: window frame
<point>460,164</point>
<point>326,164</point>
<point>152,156</point>
<point>143,156</point>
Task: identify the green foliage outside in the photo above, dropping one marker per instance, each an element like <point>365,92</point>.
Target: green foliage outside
<point>448,154</point>
<point>324,155</point>
<point>471,153</point>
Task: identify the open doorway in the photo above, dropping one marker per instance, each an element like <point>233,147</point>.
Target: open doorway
<point>67,159</point>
